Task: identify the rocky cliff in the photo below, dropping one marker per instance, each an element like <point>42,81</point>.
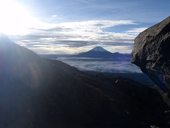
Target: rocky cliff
<point>151,53</point>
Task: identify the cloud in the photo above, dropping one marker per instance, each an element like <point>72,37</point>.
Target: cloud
<point>136,30</point>
<point>100,66</point>
<point>121,49</point>
<point>75,35</point>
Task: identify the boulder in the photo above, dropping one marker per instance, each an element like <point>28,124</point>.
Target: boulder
<point>151,52</point>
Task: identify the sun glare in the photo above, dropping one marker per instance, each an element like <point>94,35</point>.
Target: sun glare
<point>14,18</point>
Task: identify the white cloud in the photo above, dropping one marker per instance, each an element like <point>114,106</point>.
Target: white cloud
<point>69,37</point>
<point>136,30</point>
<point>121,49</point>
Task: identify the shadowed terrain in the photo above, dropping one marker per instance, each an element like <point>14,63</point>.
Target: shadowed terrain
<point>40,93</point>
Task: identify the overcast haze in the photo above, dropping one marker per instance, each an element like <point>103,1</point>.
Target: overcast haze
<point>73,26</point>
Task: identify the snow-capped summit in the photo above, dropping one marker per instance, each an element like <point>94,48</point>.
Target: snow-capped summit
<point>100,52</point>
<point>99,49</point>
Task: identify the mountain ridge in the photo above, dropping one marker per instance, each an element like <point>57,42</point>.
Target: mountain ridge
<point>41,93</point>
<point>96,52</point>
<point>100,52</point>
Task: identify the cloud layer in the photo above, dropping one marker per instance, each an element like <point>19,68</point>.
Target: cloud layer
<point>74,37</point>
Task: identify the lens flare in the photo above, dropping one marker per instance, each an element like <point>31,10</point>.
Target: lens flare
<point>15,19</point>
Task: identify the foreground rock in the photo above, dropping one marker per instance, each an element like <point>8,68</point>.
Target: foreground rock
<point>40,93</point>
<point>151,53</point>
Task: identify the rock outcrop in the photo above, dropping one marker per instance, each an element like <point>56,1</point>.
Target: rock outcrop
<point>151,53</point>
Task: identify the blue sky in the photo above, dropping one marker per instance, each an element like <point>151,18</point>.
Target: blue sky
<point>72,26</point>
<point>148,11</point>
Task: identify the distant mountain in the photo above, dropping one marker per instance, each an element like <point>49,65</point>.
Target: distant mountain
<point>99,49</point>
<point>41,93</point>
<point>100,52</point>
<point>96,52</point>
<point>55,56</point>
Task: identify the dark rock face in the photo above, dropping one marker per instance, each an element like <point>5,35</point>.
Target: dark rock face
<point>151,53</point>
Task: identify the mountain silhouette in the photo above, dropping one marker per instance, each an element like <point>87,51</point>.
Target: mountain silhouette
<point>40,93</point>
<point>99,49</point>
<point>100,52</point>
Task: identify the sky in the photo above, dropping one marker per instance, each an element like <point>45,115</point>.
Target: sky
<point>73,26</point>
